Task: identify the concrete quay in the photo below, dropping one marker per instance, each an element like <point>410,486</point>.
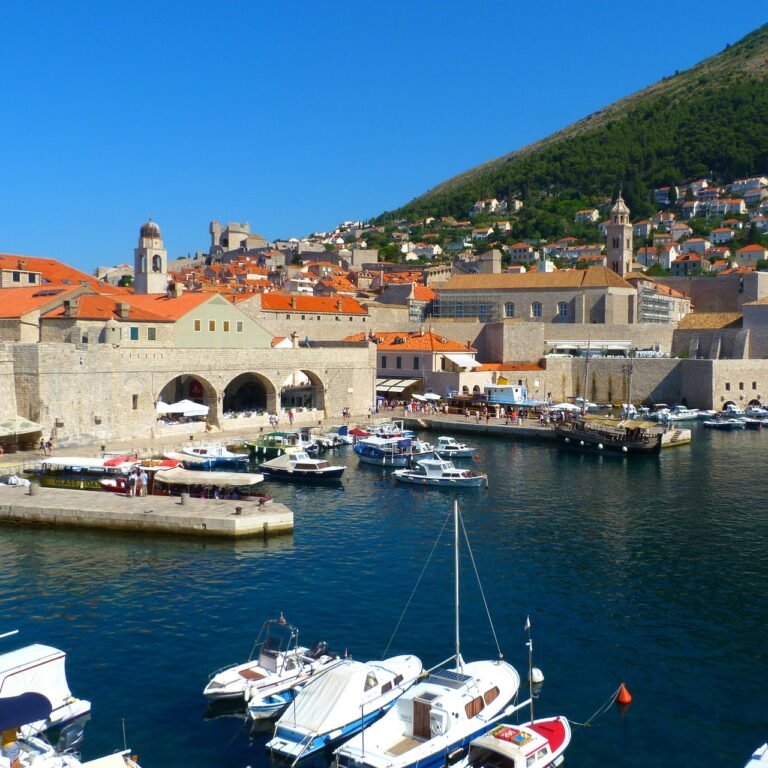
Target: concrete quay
<point>212,518</point>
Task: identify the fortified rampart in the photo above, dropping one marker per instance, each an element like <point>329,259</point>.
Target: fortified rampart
<point>102,392</point>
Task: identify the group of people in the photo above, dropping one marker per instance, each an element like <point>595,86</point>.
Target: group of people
<point>46,446</point>
<point>138,480</point>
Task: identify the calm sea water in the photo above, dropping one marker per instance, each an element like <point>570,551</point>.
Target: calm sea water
<point>651,572</point>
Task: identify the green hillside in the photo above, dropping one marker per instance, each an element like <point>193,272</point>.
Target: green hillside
<point>710,119</point>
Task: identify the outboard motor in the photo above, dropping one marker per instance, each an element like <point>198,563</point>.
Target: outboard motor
<point>319,649</point>
<point>70,739</point>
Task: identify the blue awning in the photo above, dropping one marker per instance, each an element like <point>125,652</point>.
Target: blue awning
<point>16,711</point>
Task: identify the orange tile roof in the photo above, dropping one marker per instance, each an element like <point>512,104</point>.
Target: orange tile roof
<point>704,320</point>
<point>508,367</point>
<point>151,307</point>
<point>16,302</point>
<point>283,302</point>
<point>52,271</point>
<point>412,341</point>
<point>422,293</point>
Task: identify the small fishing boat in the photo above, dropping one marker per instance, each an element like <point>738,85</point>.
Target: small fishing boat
<point>40,669</point>
<point>725,424</point>
<point>187,461</point>
<point>390,429</point>
<point>340,703</point>
<point>450,448</point>
<point>440,472</point>
<point>218,454</point>
<point>300,467</point>
<point>275,670</point>
<point>384,451</point>
<point>538,744</point>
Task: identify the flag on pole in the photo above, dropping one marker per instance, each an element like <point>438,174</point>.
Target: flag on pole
<point>527,623</point>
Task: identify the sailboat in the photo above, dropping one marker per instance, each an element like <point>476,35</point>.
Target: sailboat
<point>434,722</point>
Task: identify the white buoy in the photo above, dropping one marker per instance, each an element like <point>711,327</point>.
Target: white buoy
<point>537,676</point>
<point>581,443</point>
<point>599,446</point>
<point>567,439</point>
<point>624,448</point>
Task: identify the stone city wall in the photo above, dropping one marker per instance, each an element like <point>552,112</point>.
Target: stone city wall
<point>101,393</point>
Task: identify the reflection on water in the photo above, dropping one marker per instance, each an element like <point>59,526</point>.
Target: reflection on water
<point>650,571</point>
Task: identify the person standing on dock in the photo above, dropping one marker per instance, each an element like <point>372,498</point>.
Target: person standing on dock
<point>142,484</point>
<point>132,483</point>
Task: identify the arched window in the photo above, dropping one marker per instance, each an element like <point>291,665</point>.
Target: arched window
<point>465,389</point>
<point>509,309</point>
<point>536,310</point>
<point>476,389</point>
<point>157,264</point>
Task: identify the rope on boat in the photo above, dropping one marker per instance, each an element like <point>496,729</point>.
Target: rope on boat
<point>480,584</point>
<point>421,575</point>
<point>602,709</point>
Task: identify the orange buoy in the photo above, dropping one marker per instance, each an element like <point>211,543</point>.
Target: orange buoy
<point>623,696</point>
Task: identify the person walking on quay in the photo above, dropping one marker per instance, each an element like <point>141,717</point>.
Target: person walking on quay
<point>139,491</point>
<point>290,417</point>
<point>132,484</point>
<point>42,446</point>
<point>143,482</point>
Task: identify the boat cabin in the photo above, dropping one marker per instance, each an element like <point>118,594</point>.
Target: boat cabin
<point>519,746</point>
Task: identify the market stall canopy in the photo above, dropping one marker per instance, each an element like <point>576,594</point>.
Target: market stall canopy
<point>432,396</point>
<point>18,425</point>
<point>182,408</point>
<point>419,397</point>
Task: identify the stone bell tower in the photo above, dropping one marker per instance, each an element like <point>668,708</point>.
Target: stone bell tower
<point>150,261</point>
<point>619,246</point>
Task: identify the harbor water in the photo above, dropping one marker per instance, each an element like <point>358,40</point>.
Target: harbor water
<point>647,571</point>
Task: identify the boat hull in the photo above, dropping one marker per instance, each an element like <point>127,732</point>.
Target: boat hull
<point>469,482</point>
<point>575,438</point>
<point>301,475</point>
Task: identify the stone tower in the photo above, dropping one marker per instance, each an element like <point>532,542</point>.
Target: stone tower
<point>619,246</point>
<point>150,261</point>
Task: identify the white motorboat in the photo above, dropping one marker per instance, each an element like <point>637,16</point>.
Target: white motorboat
<point>299,466</point>
<point>40,669</point>
<point>440,472</point>
<point>22,749</point>
<point>440,715</point>
<point>217,454</point>
<point>276,664</point>
<point>338,704</point>
<point>725,424</point>
<point>759,757</point>
<point>756,412</point>
<point>450,448</point>
<point>538,744</point>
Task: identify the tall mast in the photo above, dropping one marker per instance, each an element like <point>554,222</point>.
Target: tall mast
<point>456,579</point>
<point>586,369</point>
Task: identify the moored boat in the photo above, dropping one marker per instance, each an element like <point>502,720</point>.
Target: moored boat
<point>537,744</point>
<point>593,433</point>
<point>41,669</point>
<point>440,472</point>
<point>299,466</point>
<point>208,484</point>
<point>340,703</point>
<point>759,757</point>
<point>218,454</point>
<point>276,667</point>
<point>440,715</point>
<point>726,424</point>
<point>450,448</point>
<point>81,472</point>
<point>384,451</point>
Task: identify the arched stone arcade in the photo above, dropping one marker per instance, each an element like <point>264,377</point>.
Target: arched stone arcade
<point>249,393</point>
<point>188,386</point>
<point>302,389</point>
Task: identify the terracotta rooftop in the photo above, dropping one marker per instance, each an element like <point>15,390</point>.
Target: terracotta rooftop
<point>710,320</point>
<point>19,301</point>
<point>593,277</point>
<point>283,302</point>
<point>413,341</point>
<point>52,271</point>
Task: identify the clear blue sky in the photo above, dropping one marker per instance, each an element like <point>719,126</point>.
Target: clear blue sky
<point>295,116</point>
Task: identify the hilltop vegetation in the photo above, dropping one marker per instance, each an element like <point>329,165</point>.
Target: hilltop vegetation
<point>711,120</point>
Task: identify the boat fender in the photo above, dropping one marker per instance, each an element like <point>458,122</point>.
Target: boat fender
<point>438,722</point>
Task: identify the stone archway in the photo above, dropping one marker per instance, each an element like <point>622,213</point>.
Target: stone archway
<point>191,386</point>
<point>249,393</point>
<point>302,389</point>
<point>727,403</point>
